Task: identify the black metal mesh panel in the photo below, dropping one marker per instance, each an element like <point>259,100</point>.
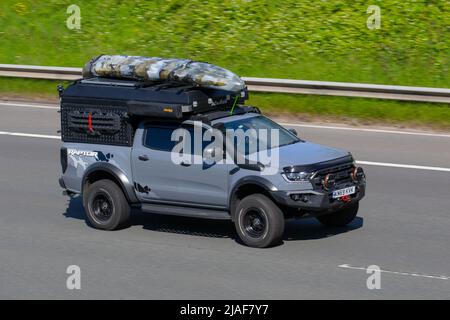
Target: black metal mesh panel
<point>97,124</point>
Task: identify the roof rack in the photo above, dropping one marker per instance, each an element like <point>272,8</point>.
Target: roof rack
<point>110,82</point>
<point>158,85</point>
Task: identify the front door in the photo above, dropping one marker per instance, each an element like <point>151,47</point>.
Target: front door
<point>158,177</point>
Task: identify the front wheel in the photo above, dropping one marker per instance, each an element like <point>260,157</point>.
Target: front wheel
<point>105,205</point>
<point>259,222</point>
<point>340,218</point>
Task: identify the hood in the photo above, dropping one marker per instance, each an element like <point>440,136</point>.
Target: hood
<point>300,154</point>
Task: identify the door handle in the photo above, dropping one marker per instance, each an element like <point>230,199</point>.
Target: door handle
<point>185,164</point>
<point>143,157</point>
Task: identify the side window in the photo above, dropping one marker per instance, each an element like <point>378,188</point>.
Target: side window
<point>204,143</point>
<point>158,137</point>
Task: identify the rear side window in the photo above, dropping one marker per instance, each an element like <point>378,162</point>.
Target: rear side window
<point>159,138</point>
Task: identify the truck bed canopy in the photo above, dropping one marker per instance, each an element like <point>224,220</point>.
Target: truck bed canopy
<point>118,91</point>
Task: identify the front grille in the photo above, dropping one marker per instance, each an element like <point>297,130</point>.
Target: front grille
<point>342,172</point>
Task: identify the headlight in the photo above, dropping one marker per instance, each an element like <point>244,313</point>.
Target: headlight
<point>297,176</point>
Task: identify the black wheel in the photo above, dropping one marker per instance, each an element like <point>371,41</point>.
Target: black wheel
<point>105,205</point>
<point>340,218</point>
<point>259,222</point>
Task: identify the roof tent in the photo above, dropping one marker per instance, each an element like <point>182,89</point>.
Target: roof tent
<point>115,89</point>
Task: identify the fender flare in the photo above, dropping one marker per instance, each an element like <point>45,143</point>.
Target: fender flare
<point>126,185</point>
<point>255,180</point>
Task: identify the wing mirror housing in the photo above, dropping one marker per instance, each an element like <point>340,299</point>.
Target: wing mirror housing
<point>212,153</point>
<point>293,131</point>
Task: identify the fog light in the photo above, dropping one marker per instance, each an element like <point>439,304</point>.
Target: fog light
<point>300,197</point>
<point>295,197</point>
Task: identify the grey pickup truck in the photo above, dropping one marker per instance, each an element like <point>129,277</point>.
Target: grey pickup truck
<point>121,149</point>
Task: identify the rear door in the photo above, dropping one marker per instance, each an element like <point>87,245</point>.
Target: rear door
<point>158,178</point>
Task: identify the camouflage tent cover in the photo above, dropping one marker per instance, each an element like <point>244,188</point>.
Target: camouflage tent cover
<point>160,69</point>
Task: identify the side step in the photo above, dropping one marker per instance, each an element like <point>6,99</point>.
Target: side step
<point>185,211</point>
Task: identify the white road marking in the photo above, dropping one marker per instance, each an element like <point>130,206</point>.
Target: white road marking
<point>368,163</point>
<point>347,266</point>
<point>29,135</point>
<point>405,166</point>
<point>25,105</point>
<point>426,134</point>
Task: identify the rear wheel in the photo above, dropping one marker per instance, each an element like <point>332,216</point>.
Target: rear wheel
<point>105,205</point>
<point>340,218</point>
<point>259,222</point>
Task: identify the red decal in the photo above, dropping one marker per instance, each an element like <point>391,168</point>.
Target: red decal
<point>90,123</point>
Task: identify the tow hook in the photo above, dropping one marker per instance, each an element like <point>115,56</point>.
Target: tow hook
<point>346,198</point>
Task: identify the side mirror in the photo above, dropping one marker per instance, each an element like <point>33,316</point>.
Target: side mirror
<point>212,153</point>
<point>293,131</point>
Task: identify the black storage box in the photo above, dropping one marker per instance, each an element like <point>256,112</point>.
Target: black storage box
<point>103,111</point>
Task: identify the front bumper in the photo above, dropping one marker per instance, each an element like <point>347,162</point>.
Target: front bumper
<point>318,201</point>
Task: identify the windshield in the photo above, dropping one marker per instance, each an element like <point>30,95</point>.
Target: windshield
<point>259,133</point>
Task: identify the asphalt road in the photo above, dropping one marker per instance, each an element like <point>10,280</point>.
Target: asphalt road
<point>403,227</point>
